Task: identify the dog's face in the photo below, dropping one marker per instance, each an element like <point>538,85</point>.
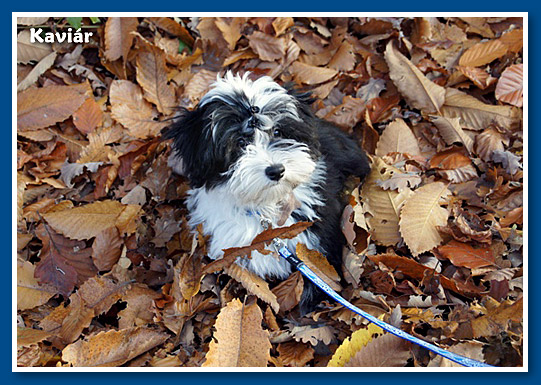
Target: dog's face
<point>253,137</point>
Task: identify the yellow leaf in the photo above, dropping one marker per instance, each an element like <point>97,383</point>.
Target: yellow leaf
<point>351,345</point>
<point>483,53</point>
<point>239,339</point>
<point>421,215</point>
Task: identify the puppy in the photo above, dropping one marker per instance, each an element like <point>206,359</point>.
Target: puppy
<point>249,149</point>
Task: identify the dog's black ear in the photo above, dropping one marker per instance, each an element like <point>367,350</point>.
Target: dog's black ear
<point>304,97</point>
<point>190,147</point>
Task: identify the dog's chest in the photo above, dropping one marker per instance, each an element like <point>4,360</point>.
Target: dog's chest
<point>230,226</point>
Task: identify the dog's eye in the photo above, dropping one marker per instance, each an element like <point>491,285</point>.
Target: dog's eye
<point>241,142</point>
<point>277,133</point>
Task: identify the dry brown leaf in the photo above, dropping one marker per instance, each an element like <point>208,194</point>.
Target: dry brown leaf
<point>28,336</point>
<point>288,293</point>
<point>295,354</point>
<point>27,51</point>
<point>152,77</point>
<point>43,107</point>
<point>119,37</point>
<point>513,39</point>
<point>320,265</point>
<point>269,48</point>
<point>200,84</point>
<point>107,248</point>
<point>281,24</point>
<point>32,20</point>
<point>478,76</point>
<point>383,205</point>
<point>112,348</point>
<point>190,275</point>
<point>347,114</point>
<point>230,29</point>
<point>174,28</point>
<point>497,317</point>
<point>130,109</point>
<point>254,284</point>
<point>239,339</point>
<point>463,254</point>
<point>40,68</point>
<point>452,132</point>
<point>140,306</point>
<point>470,349</point>
<point>85,222</point>
<point>397,137</point>
<point>344,58</point>
<point>483,53</point>
<point>477,115</point>
<point>415,87</point>
<point>88,116</point>
<point>383,351</point>
<point>94,297</point>
<point>313,335</point>
<point>63,262</point>
<point>421,215</point>
<point>29,293</point>
<point>509,87</point>
<point>307,74</point>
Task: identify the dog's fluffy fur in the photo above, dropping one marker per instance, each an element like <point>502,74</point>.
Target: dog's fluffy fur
<point>249,146</point>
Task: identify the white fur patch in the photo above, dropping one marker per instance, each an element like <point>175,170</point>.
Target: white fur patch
<point>227,219</point>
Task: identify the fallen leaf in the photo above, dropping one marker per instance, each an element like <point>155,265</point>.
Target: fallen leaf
<point>307,74</point>
<point>509,87</point>
<point>477,115</point>
<point>269,48</point>
<point>40,68</point>
<point>483,53</point>
<point>88,116</point>
<point>130,109</point>
<point>152,77</point>
<point>239,339</point>
<point>288,293</point>
<point>43,107</point>
<point>452,132</point>
<point>85,222</point>
<point>254,284</point>
<point>112,348</point>
<point>352,344</point>
<point>28,51</point>
<point>295,354</point>
<point>119,37</point>
<point>29,292</point>
<point>415,87</point>
<point>63,262</point>
<point>383,205</point>
<point>421,215</point>
<point>383,351</point>
<point>397,137</point>
<point>463,254</point>
<point>320,265</point>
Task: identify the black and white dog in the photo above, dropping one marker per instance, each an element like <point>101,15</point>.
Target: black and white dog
<point>248,148</point>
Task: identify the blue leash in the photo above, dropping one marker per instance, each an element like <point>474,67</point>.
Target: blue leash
<point>308,273</point>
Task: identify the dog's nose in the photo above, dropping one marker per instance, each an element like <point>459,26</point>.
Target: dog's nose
<point>275,172</point>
